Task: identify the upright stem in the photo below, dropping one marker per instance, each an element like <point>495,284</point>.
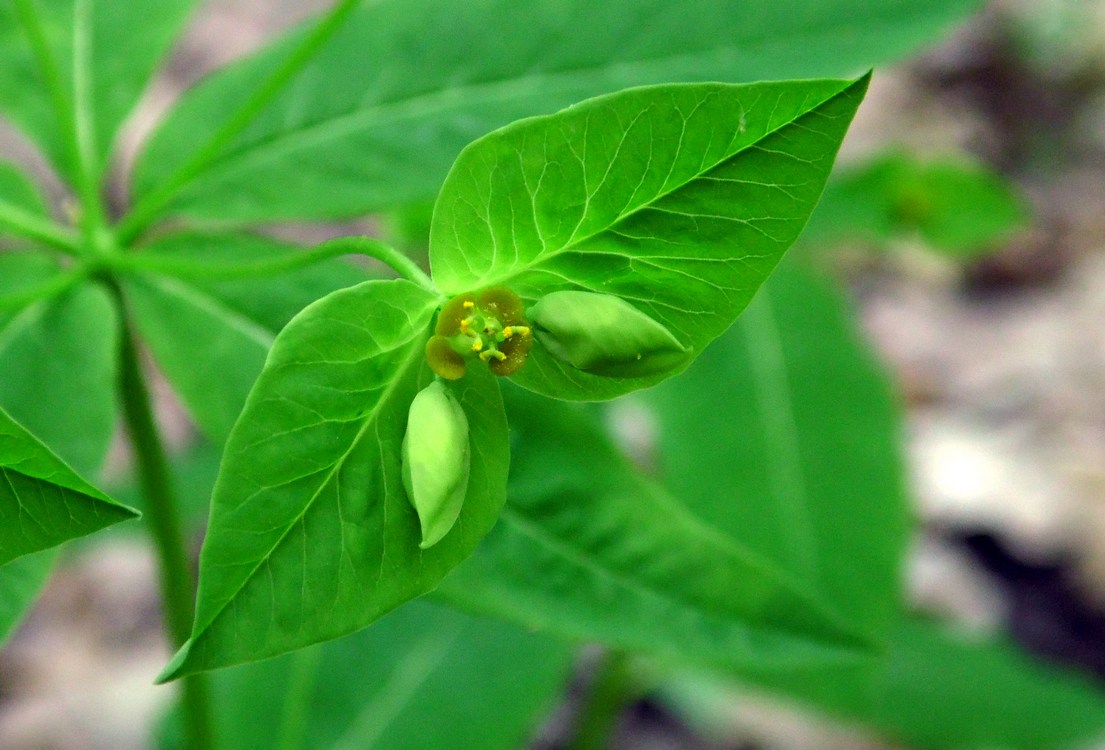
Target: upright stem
<point>613,688</point>
<point>177,588</point>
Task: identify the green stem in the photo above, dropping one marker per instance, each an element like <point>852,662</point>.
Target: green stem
<point>146,210</point>
<point>94,215</point>
<point>177,586</point>
<point>614,687</point>
<point>274,265</point>
<point>37,228</point>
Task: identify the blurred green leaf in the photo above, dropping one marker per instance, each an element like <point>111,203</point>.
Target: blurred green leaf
<point>953,205</point>
<point>679,199</point>
<point>18,194</point>
<point>42,501</point>
<point>587,548</point>
<point>20,582</point>
<point>422,677</point>
<point>311,534</point>
<point>58,357</point>
<point>939,690</point>
<point>379,114</point>
<point>64,61</point>
<point>784,436</point>
<point>210,335</point>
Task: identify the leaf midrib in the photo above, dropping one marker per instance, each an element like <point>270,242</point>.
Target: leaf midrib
<point>574,246</point>
<point>370,419</point>
<point>534,530</point>
<point>443,99</point>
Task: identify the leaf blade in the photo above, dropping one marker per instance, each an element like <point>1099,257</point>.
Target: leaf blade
<point>116,46</point>
<point>310,488</point>
<point>785,434</point>
<point>42,501</point>
<point>679,199</point>
<point>430,95</point>
<point>588,549</point>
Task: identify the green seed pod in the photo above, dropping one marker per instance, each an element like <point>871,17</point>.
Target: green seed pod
<point>603,334</point>
<point>436,460</point>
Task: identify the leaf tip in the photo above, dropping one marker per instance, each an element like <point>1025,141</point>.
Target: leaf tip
<point>175,668</point>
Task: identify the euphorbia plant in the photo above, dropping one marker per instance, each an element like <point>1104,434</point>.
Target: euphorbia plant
<point>581,255</point>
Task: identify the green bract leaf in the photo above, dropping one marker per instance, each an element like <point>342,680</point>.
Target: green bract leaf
<point>20,582</point>
<point>422,677</point>
<point>417,98</point>
<point>311,534</point>
<point>58,359</point>
<point>784,435</point>
<point>953,205</point>
<point>679,199</point>
<point>210,334</point>
<point>42,501</point>
<point>73,69</point>
<point>588,548</point>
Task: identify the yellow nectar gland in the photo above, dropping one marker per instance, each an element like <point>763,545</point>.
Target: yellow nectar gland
<point>486,326</point>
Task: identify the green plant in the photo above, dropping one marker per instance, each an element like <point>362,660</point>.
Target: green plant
<point>667,206</point>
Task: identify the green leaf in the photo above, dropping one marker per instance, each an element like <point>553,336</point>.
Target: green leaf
<point>210,336</point>
<point>20,582</point>
<point>679,199</point>
<point>588,548</point>
<point>785,435</point>
<point>953,205</point>
<point>58,357</point>
<point>74,69</point>
<point>16,189</point>
<point>335,144</point>
<point>311,534</point>
<point>422,677</point>
<point>937,689</point>
<point>42,501</point>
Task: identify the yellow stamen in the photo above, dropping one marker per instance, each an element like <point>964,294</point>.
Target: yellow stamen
<point>464,325</point>
<point>477,345</point>
<point>469,304</point>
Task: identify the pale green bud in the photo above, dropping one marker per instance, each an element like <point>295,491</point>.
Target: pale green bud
<point>603,334</point>
<point>436,460</point>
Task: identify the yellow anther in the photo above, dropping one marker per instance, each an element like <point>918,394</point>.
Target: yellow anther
<point>469,304</point>
<point>477,345</point>
<point>508,332</point>
<point>464,325</point>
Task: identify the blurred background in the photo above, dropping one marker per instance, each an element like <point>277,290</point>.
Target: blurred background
<point>996,345</point>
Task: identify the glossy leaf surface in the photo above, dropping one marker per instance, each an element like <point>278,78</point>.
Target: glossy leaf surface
<point>311,534</point>
<point>422,677</point>
<point>386,130</point>
<point>785,436</point>
<point>679,199</point>
<point>587,548</point>
<point>42,501</point>
<point>79,66</point>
